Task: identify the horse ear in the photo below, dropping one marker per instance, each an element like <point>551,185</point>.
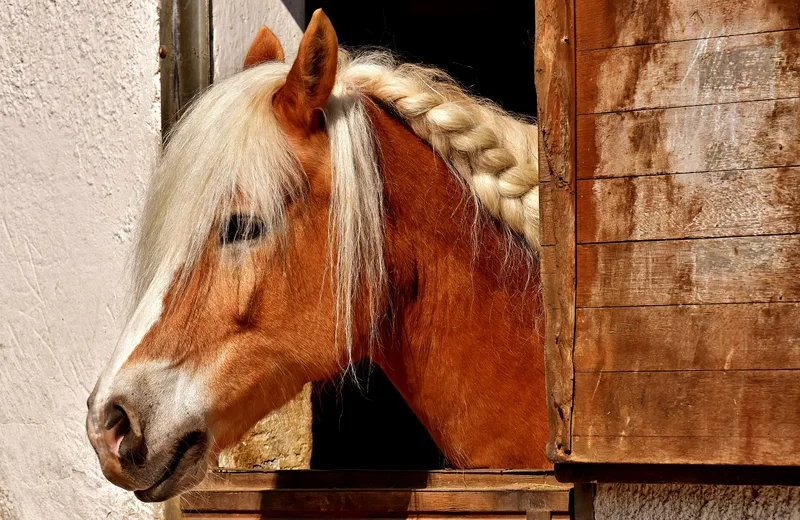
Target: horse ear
<point>311,78</point>
<point>265,47</point>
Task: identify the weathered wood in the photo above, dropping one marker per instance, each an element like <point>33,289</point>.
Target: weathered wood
<point>612,23</point>
<point>476,494</point>
<point>720,404</point>
<point>256,480</point>
<point>706,71</point>
<point>758,134</point>
<point>715,474</point>
<point>555,86</point>
<point>535,515</point>
<point>684,226</point>
<point>316,503</point>
<point>721,270</point>
<point>583,496</point>
<point>753,451</point>
<point>711,204</point>
<point>547,230</point>
<point>692,337</point>
<point>185,53</point>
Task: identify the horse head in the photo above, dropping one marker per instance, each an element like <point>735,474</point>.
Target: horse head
<point>270,256</point>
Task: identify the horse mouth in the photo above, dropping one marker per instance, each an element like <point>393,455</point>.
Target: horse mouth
<point>178,477</point>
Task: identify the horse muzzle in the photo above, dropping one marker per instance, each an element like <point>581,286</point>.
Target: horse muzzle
<point>148,439</point>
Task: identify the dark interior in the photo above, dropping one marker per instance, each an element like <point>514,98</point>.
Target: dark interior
<point>368,426</point>
<point>488,48</point>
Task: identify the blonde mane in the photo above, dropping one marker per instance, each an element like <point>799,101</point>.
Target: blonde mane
<point>229,147</point>
<point>495,153</point>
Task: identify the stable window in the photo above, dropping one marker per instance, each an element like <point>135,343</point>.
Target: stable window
<point>488,48</point>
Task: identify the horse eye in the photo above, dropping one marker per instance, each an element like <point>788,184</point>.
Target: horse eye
<point>242,227</point>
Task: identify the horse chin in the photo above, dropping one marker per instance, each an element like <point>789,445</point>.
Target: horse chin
<point>185,472</point>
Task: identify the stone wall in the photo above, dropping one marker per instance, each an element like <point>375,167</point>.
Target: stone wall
<point>696,502</point>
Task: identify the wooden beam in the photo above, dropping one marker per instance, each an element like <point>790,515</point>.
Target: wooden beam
<point>555,85</point>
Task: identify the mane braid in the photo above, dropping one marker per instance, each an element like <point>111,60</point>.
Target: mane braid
<point>495,153</point>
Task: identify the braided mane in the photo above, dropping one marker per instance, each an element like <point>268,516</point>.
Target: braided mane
<point>494,152</point>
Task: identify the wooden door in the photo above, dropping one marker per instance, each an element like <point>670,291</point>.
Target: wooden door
<point>670,146</point>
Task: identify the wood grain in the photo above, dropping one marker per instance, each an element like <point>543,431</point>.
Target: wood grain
<point>611,23</point>
<point>706,71</point>
<point>722,270</point>
<point>691,337</point>
<point>696,205</point>
<point>761,451</point>
<point>545,515</point>
<point>720,404</point>
<point>424,495</point>
<point>757,134</point>
<point>555,86</point>
<point>258,480</point>
<point>326,503</point>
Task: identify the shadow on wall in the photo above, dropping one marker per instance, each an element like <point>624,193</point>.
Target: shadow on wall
<point>297,9</point>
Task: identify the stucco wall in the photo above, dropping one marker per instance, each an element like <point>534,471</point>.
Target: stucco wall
<point>696,502</point>
<point>79,121</point>
<point>236,22</point>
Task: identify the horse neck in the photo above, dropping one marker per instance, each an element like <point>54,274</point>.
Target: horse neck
<point>463,345</point>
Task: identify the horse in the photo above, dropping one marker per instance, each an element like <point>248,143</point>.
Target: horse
<point>305,217</point>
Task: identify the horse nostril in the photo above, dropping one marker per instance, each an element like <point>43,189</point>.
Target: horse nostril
<point>116,416</point>
<point>126,437</point>
<point>133,449</point>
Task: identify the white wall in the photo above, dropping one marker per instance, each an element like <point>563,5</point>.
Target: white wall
<point>79,122</point>
<point>236,22</point>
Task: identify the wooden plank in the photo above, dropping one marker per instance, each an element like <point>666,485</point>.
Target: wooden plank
<point>666,473</point>
<point>758,134</point>
<point>612,23</point>
<point>332,503</point>
<point>257,480</point>
<point>720,270</point>
<point>720,404</point>
<point>547,230</point>
<point>583,497</point>
<point>706,71</point>
<point>760,451</point>
<point>696,205</point>
<point>692,337</point>
<point>211,515</point>
<point>555,86</point>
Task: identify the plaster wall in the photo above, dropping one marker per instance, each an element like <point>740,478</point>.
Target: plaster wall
<point>696,502</point>
<point>79,122</point>
<point>235,24</point>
